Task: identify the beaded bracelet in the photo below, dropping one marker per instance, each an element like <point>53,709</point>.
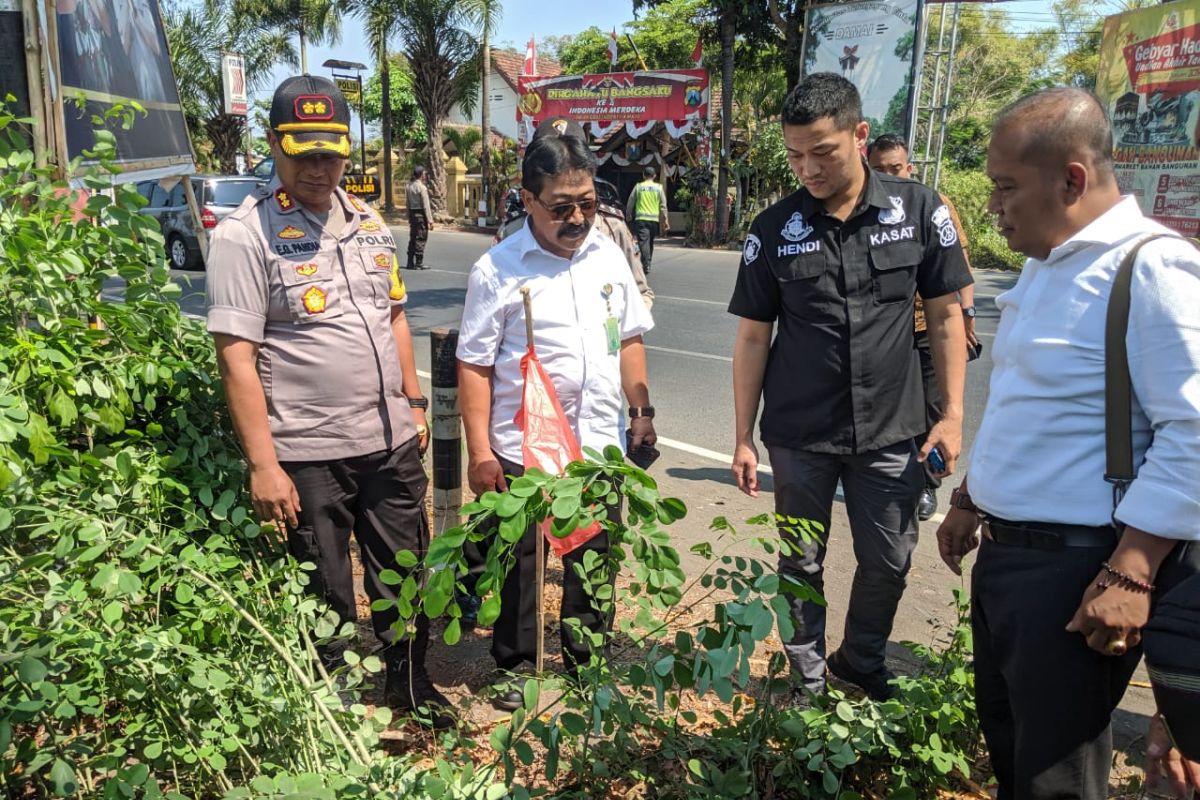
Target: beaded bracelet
<point>1129,581</point>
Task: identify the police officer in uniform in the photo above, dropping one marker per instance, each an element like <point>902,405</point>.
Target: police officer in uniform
<point>837,266</point>
<point>416,201</point>
<point>306,305</point>
<point>647,207</point>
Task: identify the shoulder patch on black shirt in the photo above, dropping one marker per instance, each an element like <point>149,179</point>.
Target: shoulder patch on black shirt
<point>751,249</point>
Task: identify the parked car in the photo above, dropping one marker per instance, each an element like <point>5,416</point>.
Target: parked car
<point>356,183</point>
<point>218,196</point>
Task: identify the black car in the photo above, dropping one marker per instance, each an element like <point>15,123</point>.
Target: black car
<point>218,196</point>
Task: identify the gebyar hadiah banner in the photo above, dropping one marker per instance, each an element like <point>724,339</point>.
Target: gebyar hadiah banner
<point>655,95</point>
<point>1149,79</point>
<point>872,44</point>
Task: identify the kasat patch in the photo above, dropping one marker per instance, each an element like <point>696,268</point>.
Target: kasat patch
<point>751,249</point>
<point>291,232</point>
<point>314,300</point>
<point>384,261</point>
<point>307,270</point>
<point>894,215</point>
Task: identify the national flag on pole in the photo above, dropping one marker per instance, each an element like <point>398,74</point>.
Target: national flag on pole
<point>530,65</point>
<point>698,53</point>
<point>612,48</point>
<point>548,442</point>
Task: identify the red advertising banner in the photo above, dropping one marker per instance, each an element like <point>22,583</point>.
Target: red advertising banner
<point>664,94</point>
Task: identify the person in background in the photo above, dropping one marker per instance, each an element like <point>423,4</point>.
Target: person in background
<point>647,207</point>
<point>416,200</point>
<point>889,154</point>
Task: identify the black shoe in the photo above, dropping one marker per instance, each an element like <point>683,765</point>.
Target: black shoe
<point>876,686</point>
<point>927,506</point>
<point>469,605</point>
<point>419,264</point>
<point>800,699</point>
<point>510,691</point>
<point>407,688</point>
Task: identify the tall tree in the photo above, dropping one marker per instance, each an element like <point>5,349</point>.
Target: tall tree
<point>379,23</point>
<point>197,35</point>
<point>312,21</point>
<point>486,16</point>
<point>440,45</point>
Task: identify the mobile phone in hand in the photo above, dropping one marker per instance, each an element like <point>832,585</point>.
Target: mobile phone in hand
<point>643,456</point>
<point>936,461</point>
<point>974,352</point>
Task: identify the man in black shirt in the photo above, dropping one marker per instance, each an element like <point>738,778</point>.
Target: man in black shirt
<point>838,264</point>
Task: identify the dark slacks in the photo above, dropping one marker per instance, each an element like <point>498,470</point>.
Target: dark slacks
<point>646,233</point>
<point>418,234</point>
<point>882,488</point>
<point>515,634</point>
<point>933,400</point>
<point>1045,698</point>
<point>380,497</point>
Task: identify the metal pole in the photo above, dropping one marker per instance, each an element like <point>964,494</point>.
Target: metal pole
<point>445,429</point>
<point>362,128</point>
<point>937,82</point>
<point>538,533</point>
<point>941,139</point>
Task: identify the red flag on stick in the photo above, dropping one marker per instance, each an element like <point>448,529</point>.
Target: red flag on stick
<point>549,444</point>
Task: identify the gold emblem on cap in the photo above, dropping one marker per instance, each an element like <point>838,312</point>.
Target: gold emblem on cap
<point>314,300</point>
<point>291,232</point>
<point>559,125</point>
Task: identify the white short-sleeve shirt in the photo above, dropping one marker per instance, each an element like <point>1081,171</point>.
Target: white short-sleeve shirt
<point>572,301</point>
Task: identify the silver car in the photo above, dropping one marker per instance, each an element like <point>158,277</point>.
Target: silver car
<point>218,196</point>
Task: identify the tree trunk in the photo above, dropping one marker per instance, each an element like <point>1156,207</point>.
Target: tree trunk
<point>722,204</point>
<point>226,131</point>
<point>485,114</point>
<point>437,166</point>
<point>793,48</point>
<point>385,85</point>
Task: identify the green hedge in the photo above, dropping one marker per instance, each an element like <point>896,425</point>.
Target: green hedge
<point>969,190</point>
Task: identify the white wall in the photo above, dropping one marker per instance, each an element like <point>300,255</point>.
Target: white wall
<point>503,108</point>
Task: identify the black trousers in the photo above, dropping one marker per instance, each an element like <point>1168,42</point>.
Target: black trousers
<point>933,401</point>
<point>515,634</point>
<point>381,498</point>
<point>1045,698</point>
<point>646,233</point>
<point>418,233</point>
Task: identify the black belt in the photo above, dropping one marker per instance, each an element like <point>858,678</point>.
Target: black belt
<point>1048,535</point>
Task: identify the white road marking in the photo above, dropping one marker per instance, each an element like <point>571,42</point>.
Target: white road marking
<point>658,297</point>
<point>673,351</point>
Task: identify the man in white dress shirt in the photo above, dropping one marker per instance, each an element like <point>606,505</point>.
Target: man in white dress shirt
<point>588,324</point>
<point>1064,581</point>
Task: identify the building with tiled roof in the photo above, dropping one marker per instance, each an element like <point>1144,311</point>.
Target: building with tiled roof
<point>506,67</point>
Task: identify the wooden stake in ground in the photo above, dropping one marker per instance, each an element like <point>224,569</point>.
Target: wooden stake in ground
<point>539,592</point>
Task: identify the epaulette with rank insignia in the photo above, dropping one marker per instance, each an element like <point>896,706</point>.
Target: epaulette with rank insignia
<point>284,200</point>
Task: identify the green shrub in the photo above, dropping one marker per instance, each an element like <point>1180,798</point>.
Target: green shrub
<point>969,191</point>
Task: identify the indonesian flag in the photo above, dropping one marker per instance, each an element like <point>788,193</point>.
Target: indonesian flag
<point>612,48</point>
<point>530,65</point>
<point>697,53</point>
<point>549,443</point>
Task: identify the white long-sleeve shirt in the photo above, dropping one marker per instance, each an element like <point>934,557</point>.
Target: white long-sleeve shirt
<point>1039,454</point>
<point>572,299</point>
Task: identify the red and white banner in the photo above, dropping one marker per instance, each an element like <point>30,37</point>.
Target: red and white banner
<point>641,97</point>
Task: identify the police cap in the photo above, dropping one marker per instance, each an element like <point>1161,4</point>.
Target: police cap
<point>310,116</point>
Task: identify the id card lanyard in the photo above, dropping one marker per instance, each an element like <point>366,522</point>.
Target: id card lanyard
<point>612,331</point>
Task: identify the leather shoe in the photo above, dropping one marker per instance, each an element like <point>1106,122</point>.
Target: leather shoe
<point>876,685</point>
<point>509,692</point>
<point>927,505</point>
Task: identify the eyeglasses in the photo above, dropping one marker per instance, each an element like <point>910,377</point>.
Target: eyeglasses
<point>564,211</point>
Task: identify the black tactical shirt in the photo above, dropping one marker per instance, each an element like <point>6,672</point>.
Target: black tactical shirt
<point>843,375</point>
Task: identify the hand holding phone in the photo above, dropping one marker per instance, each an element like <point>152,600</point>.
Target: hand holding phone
<point>936,461</point>
<point>643,456</point>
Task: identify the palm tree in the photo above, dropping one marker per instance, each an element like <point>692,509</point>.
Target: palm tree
<point>379,21</point>
<point>467,145</point>
<point>486,16</point>
<point>440,46</point>
<point>313,21</point>
<point>197,36</point>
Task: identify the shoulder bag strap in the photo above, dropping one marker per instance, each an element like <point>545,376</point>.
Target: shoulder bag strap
<point>1118,386</point>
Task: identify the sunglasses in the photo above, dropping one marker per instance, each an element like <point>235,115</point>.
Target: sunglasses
<point>564,211</point>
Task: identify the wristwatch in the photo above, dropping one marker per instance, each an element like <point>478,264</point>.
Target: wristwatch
<point>961,500</point>
<point>969,312</point>
<point>641,411</point>
<point>418,402</point>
